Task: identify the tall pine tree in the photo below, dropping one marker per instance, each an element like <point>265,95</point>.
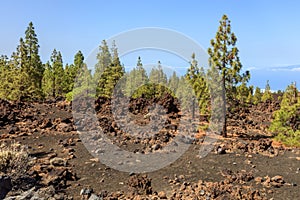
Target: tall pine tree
<point>197,79</point>
<point>72,71</point>
<point>136,78</point>
<point>267,95</point>
<point>286,122</point>
<point>108,70</point>
<point>54,77</point>
<point>22,84</point>
<point>7,77</point>
<point>33,68</point>
<point>257,96</point>
<point>173,83</point>
<point>224,58</point>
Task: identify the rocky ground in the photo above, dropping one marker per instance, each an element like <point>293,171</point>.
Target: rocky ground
<point>246,165</point>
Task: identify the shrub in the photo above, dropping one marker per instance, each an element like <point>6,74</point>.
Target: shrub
<point>287,119</point>
<point>14,159</point>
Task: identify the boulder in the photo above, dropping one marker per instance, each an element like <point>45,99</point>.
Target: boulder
<point>5,186</point>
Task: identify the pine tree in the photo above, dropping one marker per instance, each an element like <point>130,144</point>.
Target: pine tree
<point>108,70</point>
<point>244,94</point>
<point>257,95</point>
<point>157,75</point>
<point>58,73</point>
<point>290,96</point>
<point>157,81</point>
<point>142,77</point>
<point>68,80</point>
<point>224,58</point>
<point>22,88</point>
<point>267,95</point>
<point>34,67</point>
<point>113,73</point>
<point>184,94</point>
<point>48,81</point>
<point>6,78</point>
<point>54,77</point>
<point>136,78</point>
<point>173,83</point>
<point>72,71</point>
<point>250,95</point>
<point>24,70</point>
<point>102,72</point>
<point>196,77</point>
<point>286,122</point>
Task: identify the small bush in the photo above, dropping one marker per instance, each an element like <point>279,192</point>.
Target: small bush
<point>290,139</point>
<point>286,122</point>
<point>14,160</point>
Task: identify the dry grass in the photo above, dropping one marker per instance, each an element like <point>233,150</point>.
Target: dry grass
<point>14,159</point>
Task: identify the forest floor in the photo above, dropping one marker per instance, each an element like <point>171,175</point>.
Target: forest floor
<point>245,165</point>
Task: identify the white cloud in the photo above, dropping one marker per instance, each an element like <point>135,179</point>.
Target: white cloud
<point>296,69</point>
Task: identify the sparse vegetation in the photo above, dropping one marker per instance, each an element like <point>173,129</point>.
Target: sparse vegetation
<point>267,95</point>
<point>149,113</point>
<point>14,159</point>
<point>286,121</point>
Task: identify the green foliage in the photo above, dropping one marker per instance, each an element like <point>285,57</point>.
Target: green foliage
<point>33,66</point>
<point>257,96</point>
<point>136,78</point>
<point>225,61</point>
<point>244,93</point>
<point>108,70</point>
<point>267,95</point>
<point>185,94</point>
<point>7,78</point>
<point>173,83</point>
<point>224,57</point>
<point>158,81</point>
<point>154,86</point>
<point>290,96</point>
<point>22,74</point>
<point>47,82</point>
<point>84,86</point>
<point>286,123</point>
<point>71,71</point>
<point>54,77</point>
<point>157,75</point>
<point>196,78</point>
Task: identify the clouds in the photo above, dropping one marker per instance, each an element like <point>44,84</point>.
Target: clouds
<point>279,77</point>
<point>293,68</point>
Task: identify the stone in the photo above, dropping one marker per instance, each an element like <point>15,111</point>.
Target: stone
<point>29,194</point>
<point>202,192</point>
<point>5,186</point>
<point>94,197</point>
<point>221,150</point>
<point>58,162</point>
<point>64,127</point>
<point>278,179</point>
<point>162,195</point>
<point>46,124</point>
<point>258,179</point>
<point>156,147</point>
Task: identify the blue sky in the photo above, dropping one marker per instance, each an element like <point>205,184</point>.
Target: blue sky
<point>268,31</point>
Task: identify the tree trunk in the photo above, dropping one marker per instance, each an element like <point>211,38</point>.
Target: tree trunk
<point>224,131</point>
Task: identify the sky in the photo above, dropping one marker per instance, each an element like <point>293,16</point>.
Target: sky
<point>268,31</point>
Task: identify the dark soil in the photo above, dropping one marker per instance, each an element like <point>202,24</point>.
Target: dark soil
<point>246,165</point>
